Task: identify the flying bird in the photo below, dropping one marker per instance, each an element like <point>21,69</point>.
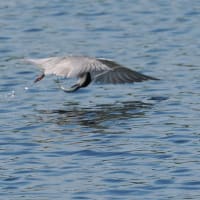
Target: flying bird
<point>87,69</point>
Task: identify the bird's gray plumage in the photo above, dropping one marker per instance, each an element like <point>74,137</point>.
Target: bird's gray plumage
<point>87,69</point>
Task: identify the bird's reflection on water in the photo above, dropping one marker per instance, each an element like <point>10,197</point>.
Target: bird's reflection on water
<point>95,116</point>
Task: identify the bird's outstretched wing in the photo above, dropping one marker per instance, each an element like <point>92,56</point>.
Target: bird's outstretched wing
<point>118,74</point>
<point>69,66</point>
<point>101,70</point>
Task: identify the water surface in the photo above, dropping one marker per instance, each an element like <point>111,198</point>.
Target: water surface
<point>137,141</point>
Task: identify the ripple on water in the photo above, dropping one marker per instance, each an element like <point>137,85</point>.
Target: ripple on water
<point>129,141</point>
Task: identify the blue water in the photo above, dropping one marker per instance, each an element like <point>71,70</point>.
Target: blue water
<point>134,141</point>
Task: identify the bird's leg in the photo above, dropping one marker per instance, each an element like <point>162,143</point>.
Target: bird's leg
<point>39,78</point>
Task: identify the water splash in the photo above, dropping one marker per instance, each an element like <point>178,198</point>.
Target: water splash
<point>26,88</point>
<point>11,94</point>
<point>8,96</point>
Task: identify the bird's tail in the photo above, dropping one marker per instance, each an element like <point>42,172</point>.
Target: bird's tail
<point>33,61</point>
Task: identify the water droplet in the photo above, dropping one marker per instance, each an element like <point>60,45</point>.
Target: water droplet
<point>12,93</point>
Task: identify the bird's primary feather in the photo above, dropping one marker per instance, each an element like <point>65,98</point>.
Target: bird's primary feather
<point>119,74</point>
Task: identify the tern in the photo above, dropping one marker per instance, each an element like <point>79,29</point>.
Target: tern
<point>87,69</point>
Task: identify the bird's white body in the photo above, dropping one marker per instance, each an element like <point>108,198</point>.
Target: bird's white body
<point>69,66</point>
<point>88,69</point>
